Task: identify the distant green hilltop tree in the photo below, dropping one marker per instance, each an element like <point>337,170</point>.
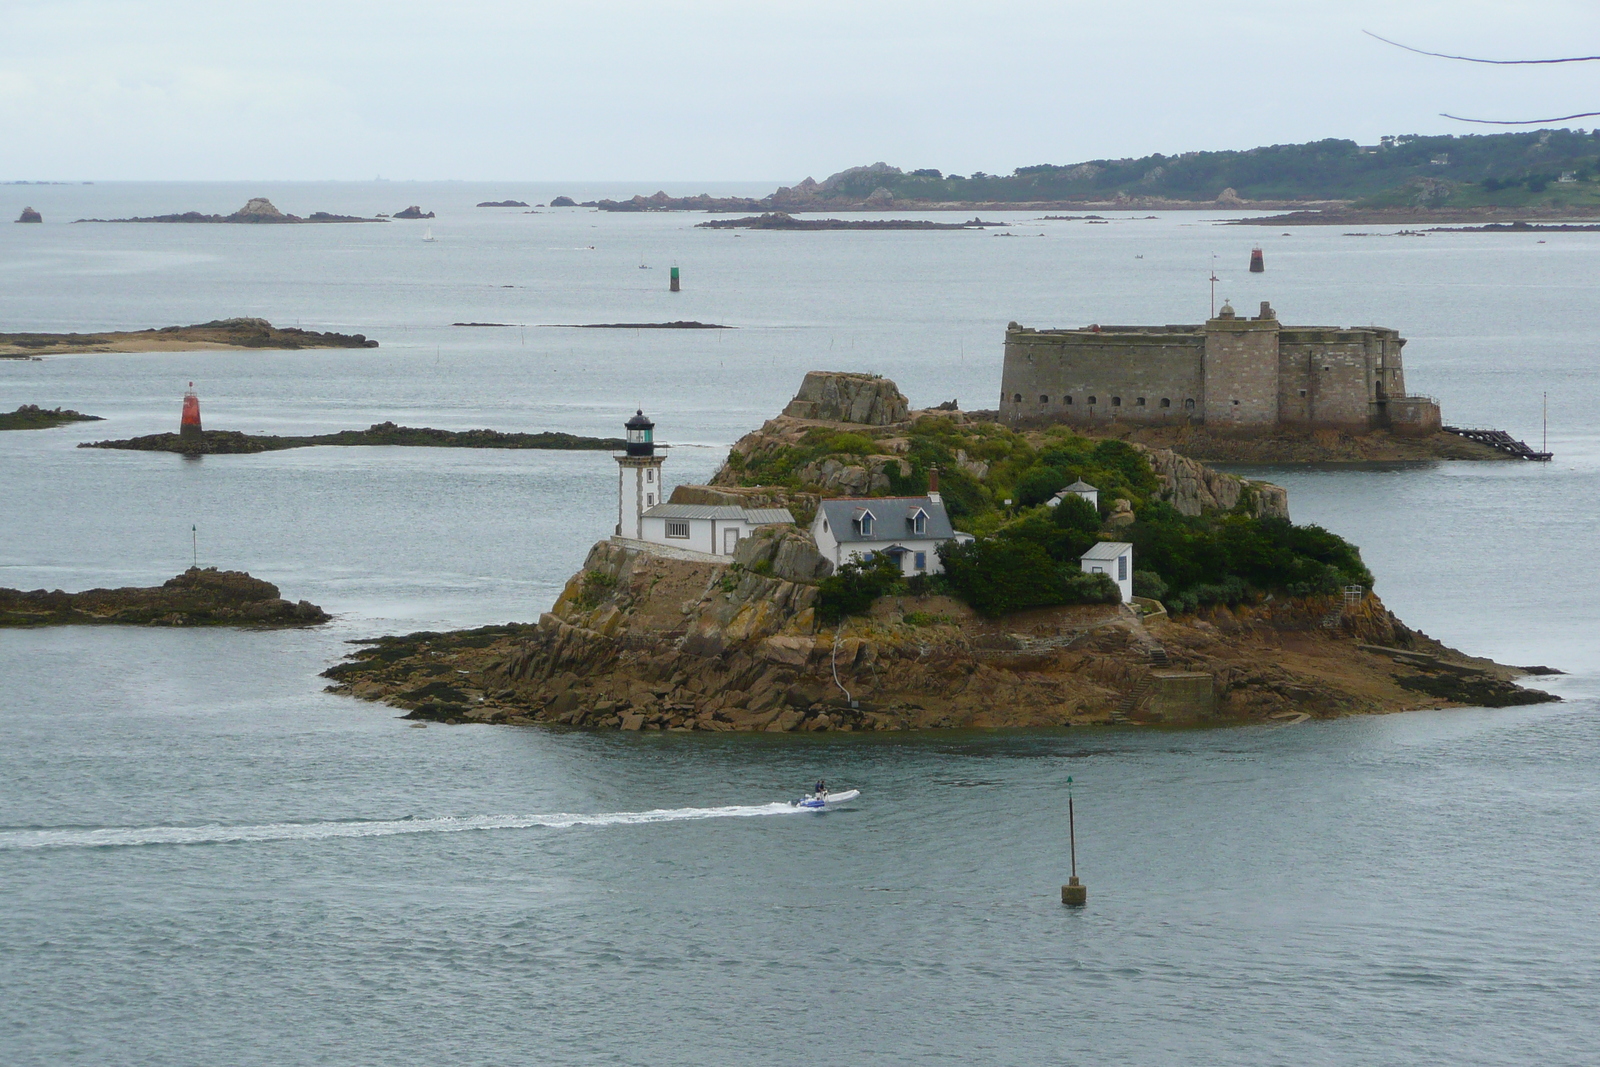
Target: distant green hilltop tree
<point>1331,169</point>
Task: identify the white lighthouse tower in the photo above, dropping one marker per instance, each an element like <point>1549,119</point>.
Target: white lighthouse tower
<point>638,477</point>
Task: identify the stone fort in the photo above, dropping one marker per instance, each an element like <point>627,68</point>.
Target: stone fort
<point>1232,373</point>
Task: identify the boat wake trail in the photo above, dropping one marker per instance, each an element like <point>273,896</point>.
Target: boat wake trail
<point>128,836</point>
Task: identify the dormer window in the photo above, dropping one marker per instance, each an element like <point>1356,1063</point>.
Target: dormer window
<point>863,522</point>
<point>918,521</point>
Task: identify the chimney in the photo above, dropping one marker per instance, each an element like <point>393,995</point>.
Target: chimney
<point>933,484</point>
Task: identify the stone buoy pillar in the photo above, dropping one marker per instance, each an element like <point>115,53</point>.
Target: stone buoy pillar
<point>1258,262</point>
<point>672,285</point>
<point>189,425</point>
<point>1074,894</point>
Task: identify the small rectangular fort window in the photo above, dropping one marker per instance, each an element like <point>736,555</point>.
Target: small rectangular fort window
<point>1302,392</point>
<point>1066,400</point>
<point>1166,401</point>
<point>677,529</point>
<point>1116,401</point>
<point>1043,399</point>
<point>1139,403</point>
<point>1094,400</point>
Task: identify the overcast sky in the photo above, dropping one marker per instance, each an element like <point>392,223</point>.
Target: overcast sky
<point>680,91</point>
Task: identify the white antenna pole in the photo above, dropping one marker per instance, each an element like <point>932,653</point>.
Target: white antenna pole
<point>1546,446</point>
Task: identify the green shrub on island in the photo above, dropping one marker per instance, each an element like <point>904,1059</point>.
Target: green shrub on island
<point>999,575</point>
<point>852,588</point>
<point>1027,555</point>
<point>1231,557</point>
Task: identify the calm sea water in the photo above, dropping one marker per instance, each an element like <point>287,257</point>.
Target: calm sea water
<point>205,859</point>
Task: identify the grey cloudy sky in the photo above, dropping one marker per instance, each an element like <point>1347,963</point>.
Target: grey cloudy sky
<point>682,91</point>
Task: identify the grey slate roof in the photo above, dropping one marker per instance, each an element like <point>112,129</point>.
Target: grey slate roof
<point>1080,486</point>
<point>892,515</point>
<point>1107,550</point>
<point>753,516</point>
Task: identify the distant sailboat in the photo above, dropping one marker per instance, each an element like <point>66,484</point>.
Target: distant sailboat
<point>427,235</point>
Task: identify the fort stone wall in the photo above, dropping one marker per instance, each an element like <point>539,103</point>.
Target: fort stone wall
<point>1142,375</point>
<point>1231,373</point>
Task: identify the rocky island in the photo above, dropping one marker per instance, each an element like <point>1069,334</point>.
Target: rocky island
<point>782,220</point>
<point>34,417</point>
<point>232,442</point>
<point>30,215</point>
<point>1238,614</point>
<point>197,597</point>
<point>257,210</point>
<point>217,334</point>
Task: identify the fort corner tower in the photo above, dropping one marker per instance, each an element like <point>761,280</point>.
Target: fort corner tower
<point>638,476</point>
<point>1230,373</point>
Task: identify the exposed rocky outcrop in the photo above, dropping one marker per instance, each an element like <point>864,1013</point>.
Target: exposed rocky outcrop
<point>218,333</point>
<point>563,201</point>
<point>232,442</point>
<point>257,210</point>
<point>34,417</point>
<point>502,203</point>
<point>30,215</point>
<point>837,396</point>
<point>780,220</point>
<point>1192,487</point>
<point>197,597</point>
<point>415,212</point>
<point>640,641</point>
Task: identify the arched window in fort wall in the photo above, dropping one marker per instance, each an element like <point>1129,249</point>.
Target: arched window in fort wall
<point>1044,399</point>
<point>1116,401</point>
<point>1188,405</point>
<point>1166,402</point>
<point>1016,398</point>
<point>1093,400</point>
<point>1067,400</point>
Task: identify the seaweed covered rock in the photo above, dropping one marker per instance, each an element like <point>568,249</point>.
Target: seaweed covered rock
<point>197,597</point>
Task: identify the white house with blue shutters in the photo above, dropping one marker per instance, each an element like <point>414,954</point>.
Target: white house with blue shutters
<point>1114,558</point>
<point>908,528</point>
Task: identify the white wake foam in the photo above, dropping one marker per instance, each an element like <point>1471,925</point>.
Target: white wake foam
<point>124,836</point>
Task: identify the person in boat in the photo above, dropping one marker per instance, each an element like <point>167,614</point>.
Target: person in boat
<point>822,788</point>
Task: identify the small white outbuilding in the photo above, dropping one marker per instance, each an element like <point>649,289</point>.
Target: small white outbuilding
<point>1077,488</point>
<point>1114,558</point>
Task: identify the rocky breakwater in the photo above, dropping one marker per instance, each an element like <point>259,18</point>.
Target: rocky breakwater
<point>197,597</point>
<point>643,641</point>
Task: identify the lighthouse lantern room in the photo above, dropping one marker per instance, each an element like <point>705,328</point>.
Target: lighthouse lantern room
<point>639,477</point>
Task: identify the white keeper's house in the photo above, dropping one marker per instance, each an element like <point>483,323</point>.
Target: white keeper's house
<point>908,528</point>
<point>642,516</point>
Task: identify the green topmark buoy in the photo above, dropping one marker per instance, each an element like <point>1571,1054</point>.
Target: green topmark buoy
<point>673,284</point>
